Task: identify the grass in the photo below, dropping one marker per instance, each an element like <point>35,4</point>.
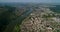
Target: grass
<point>16,28</point>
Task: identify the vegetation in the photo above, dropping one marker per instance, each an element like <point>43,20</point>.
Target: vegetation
<point>48,16</point>
<point>6,16</point>
<point>56,9</point>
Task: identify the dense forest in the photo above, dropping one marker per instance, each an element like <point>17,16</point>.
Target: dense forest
<point>6,16</point>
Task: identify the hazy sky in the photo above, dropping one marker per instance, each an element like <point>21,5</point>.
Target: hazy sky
<point>39,1</point>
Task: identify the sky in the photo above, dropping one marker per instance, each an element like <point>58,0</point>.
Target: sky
<point>36,1</point>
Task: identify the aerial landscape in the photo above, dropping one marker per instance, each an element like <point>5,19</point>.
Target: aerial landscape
<point>29,16</point>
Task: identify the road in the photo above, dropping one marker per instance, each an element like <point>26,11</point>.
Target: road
<point>18,20</point>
